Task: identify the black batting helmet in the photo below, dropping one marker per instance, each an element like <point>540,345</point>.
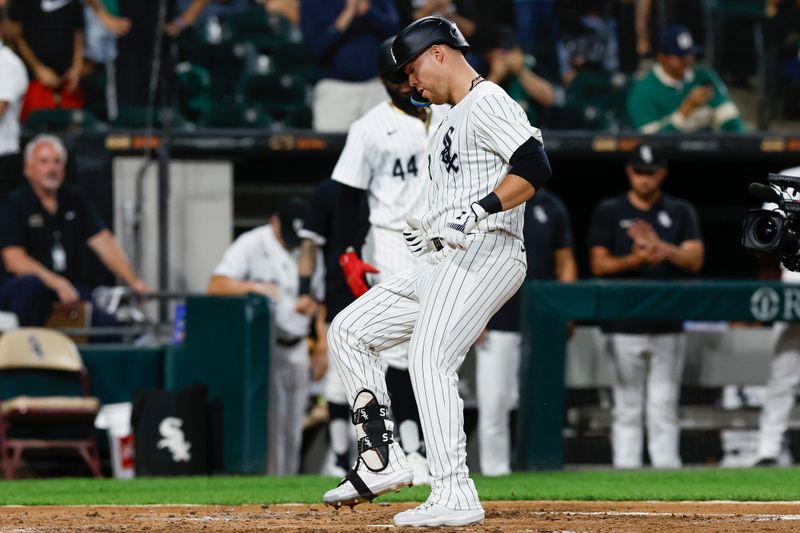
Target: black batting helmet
<point>419,36</point>
<point>386,63</point>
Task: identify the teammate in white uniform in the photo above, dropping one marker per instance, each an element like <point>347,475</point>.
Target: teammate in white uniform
<point>385,157</point>
<point>485,160</point>
<point>264,260</point>
<point>784,376</point>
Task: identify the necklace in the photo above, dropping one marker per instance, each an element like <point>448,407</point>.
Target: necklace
<point>475,81</point>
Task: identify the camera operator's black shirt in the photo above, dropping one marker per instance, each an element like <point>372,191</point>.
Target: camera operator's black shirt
<point>25,222</point>
<point>547,229</point>
<point>673,219</point>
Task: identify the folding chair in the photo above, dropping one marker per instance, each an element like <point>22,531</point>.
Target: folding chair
<point>33,360</point>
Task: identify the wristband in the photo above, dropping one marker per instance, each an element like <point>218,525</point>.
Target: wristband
<point>491,203</point>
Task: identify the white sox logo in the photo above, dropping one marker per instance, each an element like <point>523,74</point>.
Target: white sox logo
<point>448,159</point>
<point>174,439</point>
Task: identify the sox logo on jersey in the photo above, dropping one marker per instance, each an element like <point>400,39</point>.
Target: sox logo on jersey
<point>448,159</point>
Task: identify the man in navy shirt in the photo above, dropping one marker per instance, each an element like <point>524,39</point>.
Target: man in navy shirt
<point>340,34</point>
<point>645,234</point>
<point>46,230</point>
<point>548,246</point>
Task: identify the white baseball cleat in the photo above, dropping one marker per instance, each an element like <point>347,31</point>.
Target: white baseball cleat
<point>361,485</point>
<point>433,515</point>
<point>419,464</point>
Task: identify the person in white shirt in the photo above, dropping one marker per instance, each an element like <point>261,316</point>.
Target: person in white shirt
<point>264,261</point>
<point>13,84</point>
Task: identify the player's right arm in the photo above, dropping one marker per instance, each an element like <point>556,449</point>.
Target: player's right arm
<point>600,238</point>
<point>354,172</point>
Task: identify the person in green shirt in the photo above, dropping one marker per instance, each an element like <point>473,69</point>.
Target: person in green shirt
<point>678,96</point>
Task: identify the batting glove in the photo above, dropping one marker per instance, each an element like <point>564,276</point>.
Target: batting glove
<point>418,244</point>
<point>354,269</point>
<point>457,228</point>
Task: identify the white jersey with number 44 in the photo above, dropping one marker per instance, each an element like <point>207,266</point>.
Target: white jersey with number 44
<point>385,155</point>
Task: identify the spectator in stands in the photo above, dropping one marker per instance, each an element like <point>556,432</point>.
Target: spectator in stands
<point>49,38</point>
<point>136,49</point>
<point>462,12</point>
<point>784,376</point>
<point>644,234</point>
<point>536,22</point>
<point>265,261</point>
<point>590,41</point>
<point>513,70</point>
<point>100,48</point>
<point>677,96</point>
<point>783,44</point>
<point>46,229</point>
<point>12,90</point>
<point>340,34</point>
<point>548,245</point>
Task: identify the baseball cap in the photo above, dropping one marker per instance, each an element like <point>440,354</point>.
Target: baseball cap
<point>646,159</point>
<point>292,215</point>
<point>677,41</point>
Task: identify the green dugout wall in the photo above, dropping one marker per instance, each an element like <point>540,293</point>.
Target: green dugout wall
<point>226,349</point>
<point>548,306</point>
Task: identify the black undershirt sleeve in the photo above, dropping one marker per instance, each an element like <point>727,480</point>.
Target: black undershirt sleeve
<point>530,162</point>
<point>347,218</point>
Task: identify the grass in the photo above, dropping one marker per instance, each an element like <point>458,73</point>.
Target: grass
<point>689,484</point>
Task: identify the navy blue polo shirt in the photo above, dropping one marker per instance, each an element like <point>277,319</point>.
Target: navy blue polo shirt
<point>26,223</point>
<point>547,229</point>
<point>674,220</point>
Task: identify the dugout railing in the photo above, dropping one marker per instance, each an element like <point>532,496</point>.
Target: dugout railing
<point>549,306</point>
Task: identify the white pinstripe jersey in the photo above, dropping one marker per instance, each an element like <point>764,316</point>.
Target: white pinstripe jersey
<point>469,156</point>
<point>385,155</point>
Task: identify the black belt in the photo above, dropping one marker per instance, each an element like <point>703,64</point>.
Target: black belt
<point>437,243</point>
<point>288,343</point>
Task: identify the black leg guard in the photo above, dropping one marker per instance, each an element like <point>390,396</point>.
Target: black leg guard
<point>373,430</point>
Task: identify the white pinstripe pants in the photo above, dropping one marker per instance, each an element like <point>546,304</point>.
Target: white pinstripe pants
<point>442,306</point>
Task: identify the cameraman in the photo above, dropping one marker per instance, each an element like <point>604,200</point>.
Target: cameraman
<point>784,376</point>
<point>645,234</point>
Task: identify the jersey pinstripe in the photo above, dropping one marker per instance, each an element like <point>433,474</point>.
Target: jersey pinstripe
<point>469,156</point>
<point>385,155</point>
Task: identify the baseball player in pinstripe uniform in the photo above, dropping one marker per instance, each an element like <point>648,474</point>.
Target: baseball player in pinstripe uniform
<point>384,158</point>
<point>484,161</point>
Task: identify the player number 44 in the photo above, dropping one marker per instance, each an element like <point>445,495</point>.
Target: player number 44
<point>411,167</point>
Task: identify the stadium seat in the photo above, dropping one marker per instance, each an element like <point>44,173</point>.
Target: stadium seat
<point>33,360</point>
<point>283,95</point>
<point>206,31</point>
<point>595,101</point>
<point>266,31</point>
<point>194,89</point>
<point>62,120</point>
<point>225,63</point>
<point>237,115</point>
<point>294,58</point>
<point>135,117</point>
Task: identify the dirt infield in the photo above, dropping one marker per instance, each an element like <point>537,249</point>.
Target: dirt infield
<point>500,516</point>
